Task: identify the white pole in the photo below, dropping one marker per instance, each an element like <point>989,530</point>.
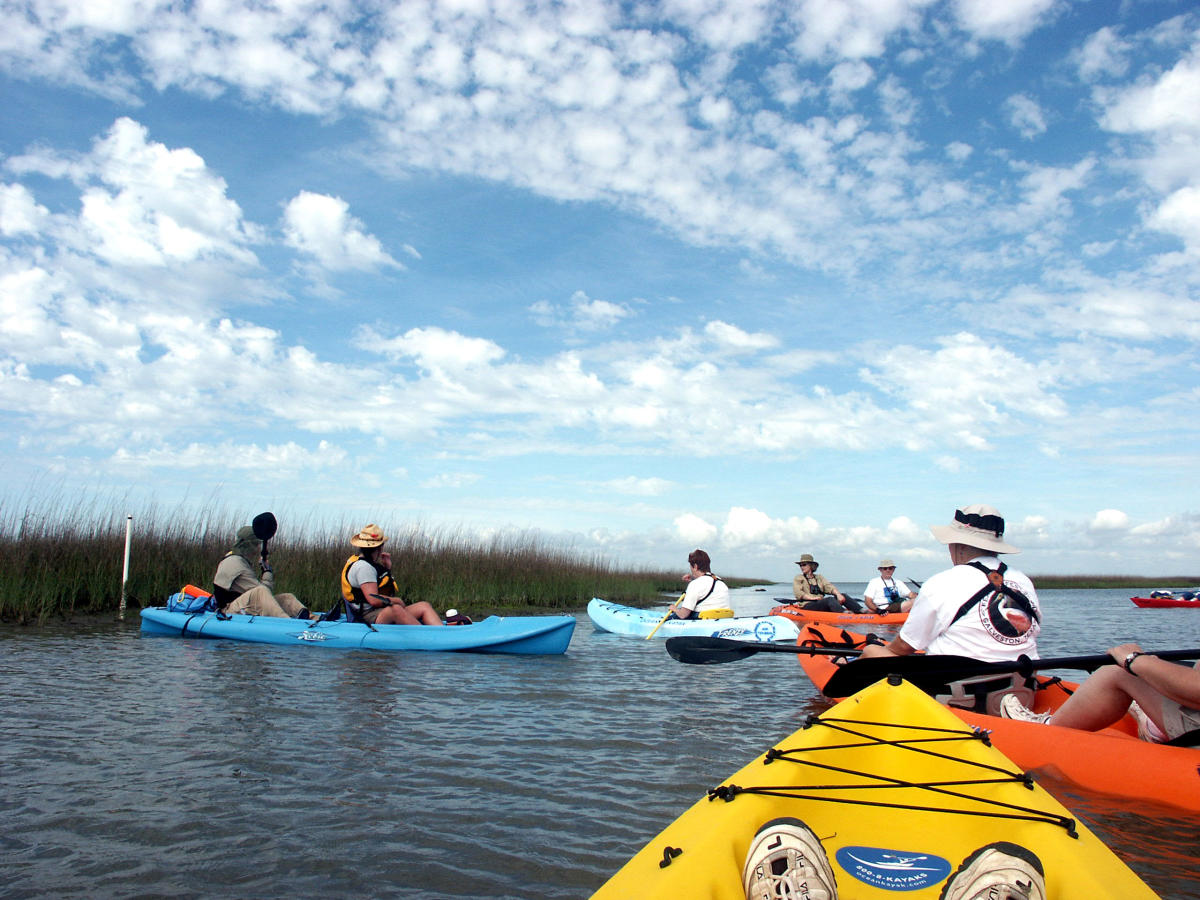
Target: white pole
<point>125,572</point>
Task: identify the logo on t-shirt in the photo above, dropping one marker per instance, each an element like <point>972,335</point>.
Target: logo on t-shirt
<point>1007,615</point>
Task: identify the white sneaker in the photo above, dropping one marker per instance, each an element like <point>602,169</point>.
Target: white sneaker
<point>1147,730</point>
<point>786,859</point>
<point>1011,707</point>
<point>999,871</point>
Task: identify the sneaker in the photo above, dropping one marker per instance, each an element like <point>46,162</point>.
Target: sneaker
<point>1147,730</point>
<point>1011,707</point>
<point>786,859</point>
<point>999,871</point>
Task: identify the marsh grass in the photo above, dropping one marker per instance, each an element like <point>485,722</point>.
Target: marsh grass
<point>59,564</point>
<point>1106,582</point>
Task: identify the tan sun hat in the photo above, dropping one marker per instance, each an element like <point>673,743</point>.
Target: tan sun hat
<point>370,536</point>
<point>977,525</point>
<point>807,558</point>
<point>886,564</point>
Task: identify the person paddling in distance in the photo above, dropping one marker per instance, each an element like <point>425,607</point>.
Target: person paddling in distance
<point>370,590</point>
<point>238,591</point>
<point>884,594</point>
<point>1162,695</point>
<point>980,608</point>
<point>815,591</point>
<point>707,596</point>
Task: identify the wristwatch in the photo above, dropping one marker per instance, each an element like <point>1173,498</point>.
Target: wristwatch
<point>1129,662</point>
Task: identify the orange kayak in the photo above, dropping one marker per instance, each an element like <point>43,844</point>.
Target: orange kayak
<point>799,614</point>
<point>1113,761</point>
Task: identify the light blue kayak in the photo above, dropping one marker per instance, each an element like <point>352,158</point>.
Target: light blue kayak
<point>546,635</point>
<point>641,622</point>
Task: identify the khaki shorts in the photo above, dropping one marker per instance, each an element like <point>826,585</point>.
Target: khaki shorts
<point>1179,719</point>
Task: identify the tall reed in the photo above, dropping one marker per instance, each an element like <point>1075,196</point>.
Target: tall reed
<point>55,564</point>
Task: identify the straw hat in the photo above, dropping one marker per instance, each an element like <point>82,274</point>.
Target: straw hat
<point>977,525</point>
<point>370,536</point>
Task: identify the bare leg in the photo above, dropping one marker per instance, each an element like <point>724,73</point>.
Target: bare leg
<point>1104,697</point>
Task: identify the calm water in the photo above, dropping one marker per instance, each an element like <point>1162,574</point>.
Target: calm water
<point>189,768</point>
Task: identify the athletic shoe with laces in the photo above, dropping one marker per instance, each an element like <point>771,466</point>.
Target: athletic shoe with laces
<point>1011,707</point>
<point>786,859</point>
<point>999,871</point>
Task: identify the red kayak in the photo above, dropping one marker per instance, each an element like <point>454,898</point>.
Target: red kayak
<point>1113,761</point>
<point>1166,602</point>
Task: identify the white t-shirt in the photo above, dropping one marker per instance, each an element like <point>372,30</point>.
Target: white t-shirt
<point>362,572</point>
<point>698,587</point>
<point>995,628</point>
<point>875,586</point>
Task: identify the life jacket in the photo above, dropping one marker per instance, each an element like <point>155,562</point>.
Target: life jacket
<point>354,596</point>
<point>995,590</point>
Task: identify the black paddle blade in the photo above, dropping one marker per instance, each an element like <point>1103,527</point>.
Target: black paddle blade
<point>264,526</point>
<point>930,673</point>
<point>702,650</point>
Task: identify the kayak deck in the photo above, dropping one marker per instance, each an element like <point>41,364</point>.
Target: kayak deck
<point>797,613</point>
<point>539,635</point>
<point>898,790</point>
<point>629,620</point>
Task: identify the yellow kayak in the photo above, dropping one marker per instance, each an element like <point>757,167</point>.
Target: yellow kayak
<point>899,791</point>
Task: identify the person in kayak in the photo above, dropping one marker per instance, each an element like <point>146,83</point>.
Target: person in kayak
<point>370,590</point>
<point>885,594</point>
<point>707,596</point>
<point>237,590</point>
<point>1162,695</point>
<point>813,591</point>
<point>980,608</point>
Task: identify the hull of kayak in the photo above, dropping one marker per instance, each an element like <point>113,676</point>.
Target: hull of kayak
<point>892,815</point>
<point>1166,602</point>
<point>824,617</point>
<point>641,623</point>
<point>544,635</point>
<point>1112,761</point>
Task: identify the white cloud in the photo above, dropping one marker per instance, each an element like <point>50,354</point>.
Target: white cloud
<point>20,213</point>
<point>692,529</point>
<point>1109,520</point>
<point>1179,214</point>
<point>322,227</point>
<point>1025,115</point>
<point>1008,21</point>
<point>1104,53</point>
<point>639,487</point>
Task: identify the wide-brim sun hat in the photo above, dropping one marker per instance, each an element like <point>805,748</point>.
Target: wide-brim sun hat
<point>886,564</point>
<point>370,536</point>
<point>979,526</point>
<point>806,558</point>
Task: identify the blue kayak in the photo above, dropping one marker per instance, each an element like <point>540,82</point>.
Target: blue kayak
<point>547,635</point>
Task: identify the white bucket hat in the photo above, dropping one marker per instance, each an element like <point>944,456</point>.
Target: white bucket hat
<point>977,525</point>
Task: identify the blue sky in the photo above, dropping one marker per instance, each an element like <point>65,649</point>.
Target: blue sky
<point>762,277</point>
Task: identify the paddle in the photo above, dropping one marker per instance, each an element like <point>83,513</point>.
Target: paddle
<point>704,650</point>
<point>264,526</point>
<point>930,673</point>
<point>667,616</point>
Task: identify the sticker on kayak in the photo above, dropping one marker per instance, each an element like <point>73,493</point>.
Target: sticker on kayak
<point>310,635</point>
<point>763,631</point>
<point>893,870</point>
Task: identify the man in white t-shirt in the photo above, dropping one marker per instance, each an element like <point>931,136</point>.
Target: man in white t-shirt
<point>980,608</point>
<point>707,596</point>
<point>885,594</point>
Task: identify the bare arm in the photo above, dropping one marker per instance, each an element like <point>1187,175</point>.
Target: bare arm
<point>1180,683</point>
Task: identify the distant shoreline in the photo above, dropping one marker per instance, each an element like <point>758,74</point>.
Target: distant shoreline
<point>1114,581</point>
